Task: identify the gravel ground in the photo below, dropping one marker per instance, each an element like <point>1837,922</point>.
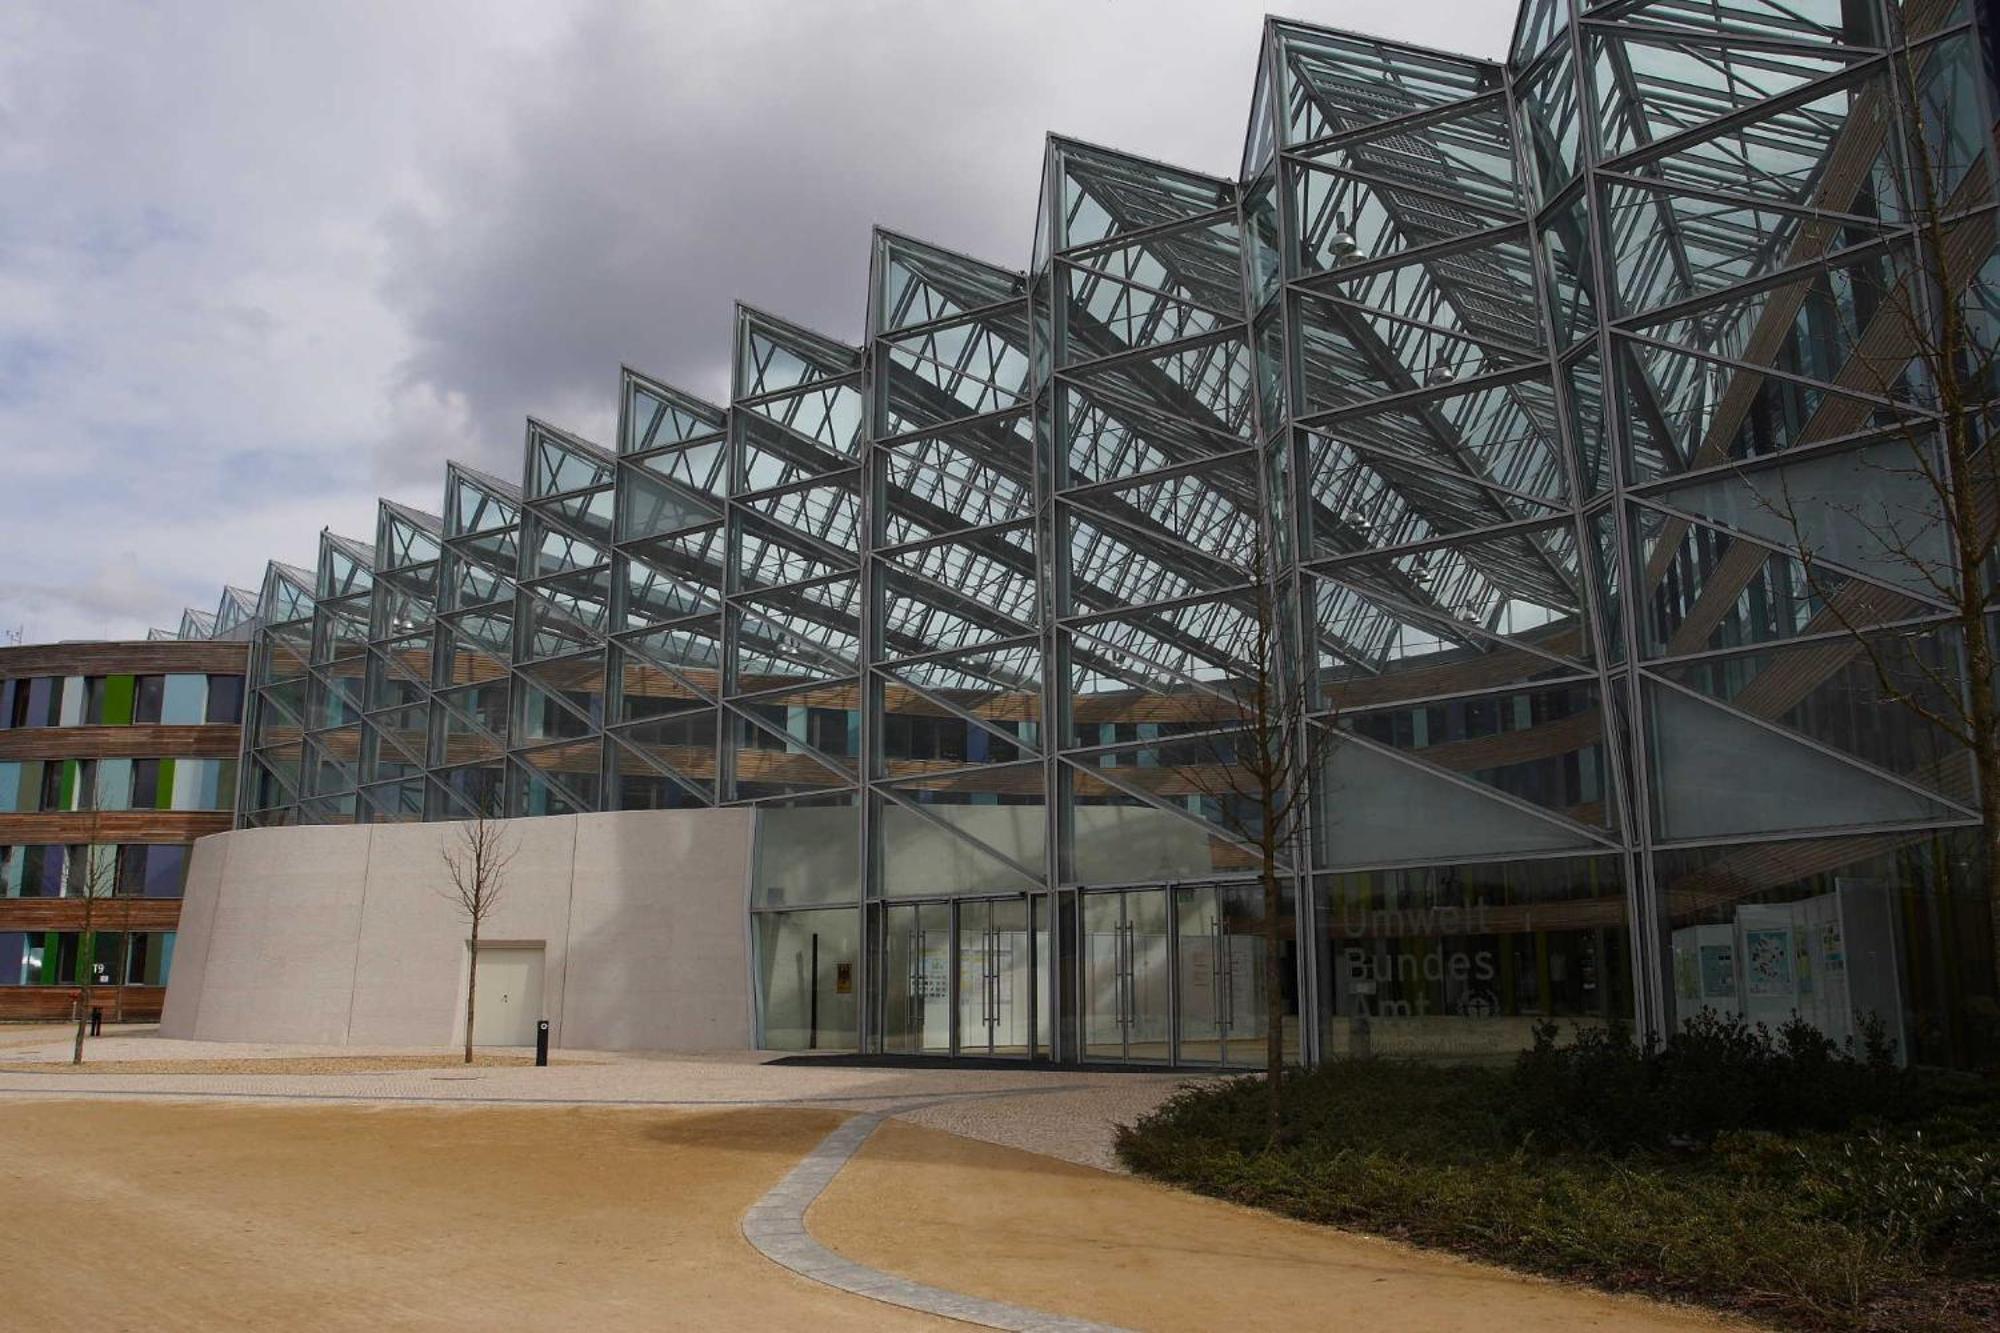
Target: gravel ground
<point>357,1219</point>
<point>1061,1113</point>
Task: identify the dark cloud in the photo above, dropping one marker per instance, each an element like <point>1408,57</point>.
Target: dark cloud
<point>264,262</point>
<point>657,169</point>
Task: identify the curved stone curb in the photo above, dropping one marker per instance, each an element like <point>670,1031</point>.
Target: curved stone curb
<point>776,1226</point>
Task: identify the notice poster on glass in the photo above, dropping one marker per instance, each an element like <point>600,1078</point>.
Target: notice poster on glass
<point>1768,962</point>
<point>1718,971</point>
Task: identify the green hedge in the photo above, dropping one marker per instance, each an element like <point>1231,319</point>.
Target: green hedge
<point>1763,1173</point>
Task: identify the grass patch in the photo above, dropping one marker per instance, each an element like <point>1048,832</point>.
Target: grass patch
<point>1765,1174</point>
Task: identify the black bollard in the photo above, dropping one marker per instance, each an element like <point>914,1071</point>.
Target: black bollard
<point>96,1021</point>
<point>542,1043</point>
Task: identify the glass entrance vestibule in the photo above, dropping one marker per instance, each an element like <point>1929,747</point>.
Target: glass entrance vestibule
<point>965,977</point>
<point>1176,975</point>
<point>1153,975</point>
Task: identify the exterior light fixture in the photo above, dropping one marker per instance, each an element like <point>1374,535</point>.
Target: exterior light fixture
<point>1343,244</point>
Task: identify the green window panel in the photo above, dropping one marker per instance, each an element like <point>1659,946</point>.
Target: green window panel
<point>163,787</point>
<point>117,700</point>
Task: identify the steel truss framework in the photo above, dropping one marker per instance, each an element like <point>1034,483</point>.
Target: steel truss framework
<point>1499,356</point>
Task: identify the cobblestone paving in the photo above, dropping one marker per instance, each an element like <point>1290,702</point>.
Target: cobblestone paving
<point>776,1226</point>
<point>1062,1113</point>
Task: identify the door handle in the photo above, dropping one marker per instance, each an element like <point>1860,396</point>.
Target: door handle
<point>1130,980</point>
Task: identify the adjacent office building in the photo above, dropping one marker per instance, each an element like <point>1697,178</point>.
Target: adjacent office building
<point>1463,398</point>
<point>114,758</point>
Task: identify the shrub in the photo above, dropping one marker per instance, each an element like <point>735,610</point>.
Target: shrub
<point>1768,1173</point>
<point>1606,1092</point>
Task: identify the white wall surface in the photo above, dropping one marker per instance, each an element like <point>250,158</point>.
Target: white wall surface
<point>342,935</point>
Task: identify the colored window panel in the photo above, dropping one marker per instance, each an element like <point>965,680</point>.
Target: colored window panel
<point>36,701</point>
<point>32,871</point>
<point>149,958</point>
<point>225,699</point>
<point>184,700</point>
<point>165,871</point>
<point>149,698</point>
<point>114,783</point>
<point>66,784</point>
<point>93,874</point>
<point>197,784</point>
<point>145,785</point>
<point>116,710</point>
<point>14,950</point>
<point>69,705</point>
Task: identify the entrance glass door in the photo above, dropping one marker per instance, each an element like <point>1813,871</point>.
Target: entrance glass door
<point>995,977</point>
<point>1126,976</point>
<point>1221,950</point>
<point>916,978</point>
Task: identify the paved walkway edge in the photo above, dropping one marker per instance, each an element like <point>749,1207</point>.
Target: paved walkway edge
<point>776,1227</point>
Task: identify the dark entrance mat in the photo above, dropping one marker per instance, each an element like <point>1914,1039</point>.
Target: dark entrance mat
<point>852,1060</point>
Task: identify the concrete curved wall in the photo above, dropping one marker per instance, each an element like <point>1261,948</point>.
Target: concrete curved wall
<point>342,934</point>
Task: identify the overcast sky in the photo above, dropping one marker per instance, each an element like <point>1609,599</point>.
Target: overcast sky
<point>263,262</point>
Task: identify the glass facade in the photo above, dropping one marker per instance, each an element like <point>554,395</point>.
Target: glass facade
<point>1463,394</point>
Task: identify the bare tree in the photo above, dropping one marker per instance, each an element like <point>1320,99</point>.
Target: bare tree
<point>92,879</point>
<point>1257,757</point>
<point>476,857</point>
<point>1926,355</point>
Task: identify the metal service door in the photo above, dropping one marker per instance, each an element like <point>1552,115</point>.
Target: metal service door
<point>509,999</point>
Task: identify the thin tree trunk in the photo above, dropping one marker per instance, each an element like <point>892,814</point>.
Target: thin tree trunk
<point>1979,690</point>
<point>1958,402</point>
<point>1965,517</point>
<point>82,1018</point>
<point>86,950</point>
<point>1274,996</point>
<point>471,989</point>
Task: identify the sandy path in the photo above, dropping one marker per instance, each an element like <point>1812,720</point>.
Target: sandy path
<point>154,1216</point>
<point>1013,1226</point>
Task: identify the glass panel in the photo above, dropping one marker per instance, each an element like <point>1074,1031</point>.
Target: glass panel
<point>806,965</point>
<point>807,851</point>
<point>1222,947</point>
<point>995,977</point>
<point>150,697</point>
<point>1717,773</point>
<point>916,979</point>
<point>1845,933</point>
<point>981,832</point>
<point>1460,962</point>
<point>225,699</point>
<point>1368,794</point>
<point>1126,978</point>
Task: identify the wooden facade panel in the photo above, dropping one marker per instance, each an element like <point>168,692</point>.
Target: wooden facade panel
<point>142,658</point>
<point>144,741</point>
<point>108,826</point>
<point>53,1004</point>
<point>112,914</point>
